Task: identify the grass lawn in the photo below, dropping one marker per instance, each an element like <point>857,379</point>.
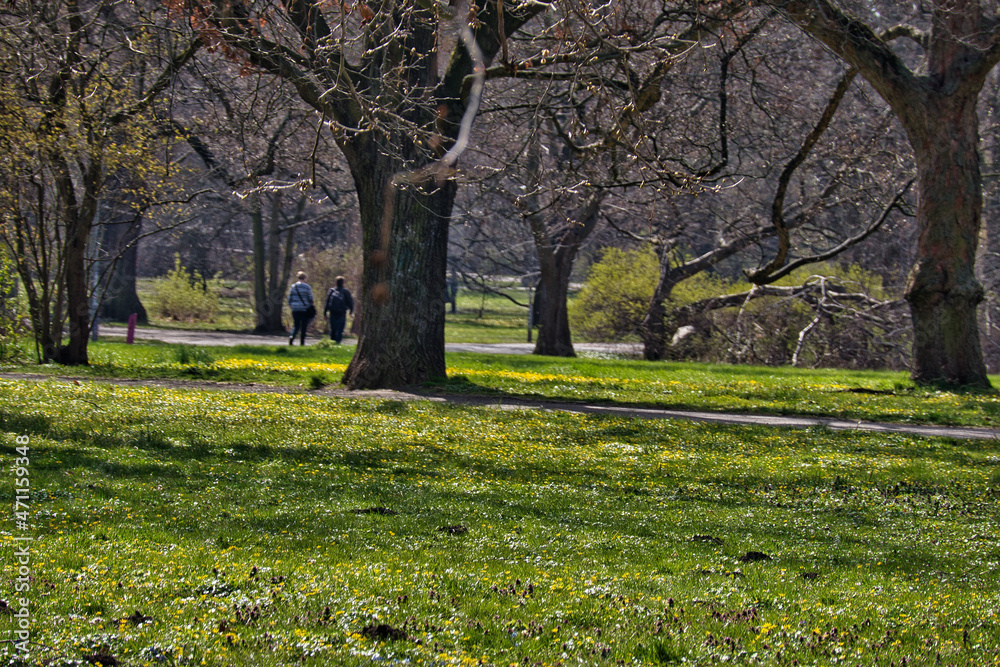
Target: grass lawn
<point>872,395</point>
<point>487,318</point>
<point>190,527</point>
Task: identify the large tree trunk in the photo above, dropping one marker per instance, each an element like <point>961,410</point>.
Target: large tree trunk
<point>554,337</point>
<point>121,299</point>
<point>943,291</point>
<point>78,215</point>
<point>74,352</point>
<point>405,243</point>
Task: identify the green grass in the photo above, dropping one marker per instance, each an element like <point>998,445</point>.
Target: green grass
<point>235,313</point>
<point>224,528</point>
<point>870,395</point>
<point>487,319</point>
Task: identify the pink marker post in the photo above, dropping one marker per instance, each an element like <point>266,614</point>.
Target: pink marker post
<point>130,336</point>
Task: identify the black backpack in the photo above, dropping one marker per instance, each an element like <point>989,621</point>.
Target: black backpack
<point>335,302</point>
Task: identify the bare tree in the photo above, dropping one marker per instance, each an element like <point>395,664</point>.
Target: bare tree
<point>937,107</point>
<point>373,75</point>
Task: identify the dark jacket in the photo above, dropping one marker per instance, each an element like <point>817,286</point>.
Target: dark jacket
<point>337,306</point>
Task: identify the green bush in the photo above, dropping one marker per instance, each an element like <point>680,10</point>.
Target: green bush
<point>185,296</point>
<point>766,331</point>
<point>614,298</point>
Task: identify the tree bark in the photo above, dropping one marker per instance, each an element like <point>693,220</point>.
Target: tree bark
<point>554,336</point>
<point>271,277</point>
<point>260,300</point>
<point>942,290</point>
<point>121,299</point>
<point>654,327</point>
<point>937,111</point>
<point>405,243</point>
<point>74,352</point>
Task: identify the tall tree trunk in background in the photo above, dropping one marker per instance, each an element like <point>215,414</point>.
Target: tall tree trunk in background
<point>557,243</point>
<point>121,299</point>
<point>260,305</point>
<point>280,257</point>
<point>554,336</point>
<point>271,276</point>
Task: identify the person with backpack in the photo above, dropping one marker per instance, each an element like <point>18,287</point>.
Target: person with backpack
<point>338,302</point>
<point>300,300</point>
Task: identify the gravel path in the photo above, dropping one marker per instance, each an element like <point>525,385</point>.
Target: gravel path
<point>177,336</point>
<point>959,432</point>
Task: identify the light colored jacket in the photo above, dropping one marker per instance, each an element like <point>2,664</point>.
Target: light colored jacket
<point>300,297</point>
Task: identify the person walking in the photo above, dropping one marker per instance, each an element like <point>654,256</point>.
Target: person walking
<point>338,302</point>
<point>300,300</point>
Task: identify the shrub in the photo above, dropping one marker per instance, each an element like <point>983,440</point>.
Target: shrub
<point>767,330</point>
<point>613,301</point>
<point>185,296</point>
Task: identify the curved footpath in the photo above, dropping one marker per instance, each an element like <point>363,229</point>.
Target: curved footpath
<point>231,339</point>
<point>187,337</point>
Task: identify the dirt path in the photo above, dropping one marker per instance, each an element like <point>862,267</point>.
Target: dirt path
<point>508,403</point>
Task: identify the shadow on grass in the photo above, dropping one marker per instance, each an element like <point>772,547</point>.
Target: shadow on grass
<point>575,496</point>
<point>24,424</point>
